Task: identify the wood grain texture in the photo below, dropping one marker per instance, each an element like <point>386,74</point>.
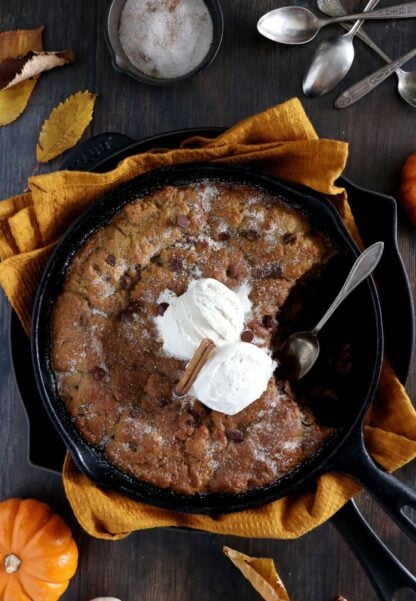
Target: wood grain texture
<point>249,74</point>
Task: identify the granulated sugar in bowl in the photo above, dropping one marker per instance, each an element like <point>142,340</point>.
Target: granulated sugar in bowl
<point>165,38</point>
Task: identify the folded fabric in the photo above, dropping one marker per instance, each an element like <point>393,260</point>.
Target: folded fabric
<point>280,141</point>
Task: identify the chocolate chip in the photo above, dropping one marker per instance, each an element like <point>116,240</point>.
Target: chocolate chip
<point>251,234</point>
<point>247,336</point>
<point>223,236</point>
<point>182,221</point>
<point>132,447</point>
<point>267,321</point>
<point>275,271</point>
<point>236,435</point>
<point>175,264</point>
<point>156,260</point>
<point>163,401</point>
<point>98,373</point>
<point>138,270</point>
<point>133,307</point>
<point>110,260</point>
<point>161,308</point>
<point>135,412</point>
<point>288,238</point>
<point>125,282</point>
<point>126,315</point>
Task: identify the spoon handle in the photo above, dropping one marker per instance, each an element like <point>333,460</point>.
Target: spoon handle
<point>333,8</point>
<point>362,268</point>
<point>364,86</point>
<point>400,11</point>
<point>358,24</point>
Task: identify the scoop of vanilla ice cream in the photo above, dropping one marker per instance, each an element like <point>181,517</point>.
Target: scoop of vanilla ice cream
<point>233,377</point>
<point>208,309</point>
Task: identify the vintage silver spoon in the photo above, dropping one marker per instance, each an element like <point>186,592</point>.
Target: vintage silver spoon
<point>406,79</point>
<point>371,81</point>
<point>298,25</point>
<point>301,349</point>
<point>332,60</point>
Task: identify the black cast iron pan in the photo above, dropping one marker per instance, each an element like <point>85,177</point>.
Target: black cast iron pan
<point>105,150</point>
<point>360,316</point>
<point>345,451</point>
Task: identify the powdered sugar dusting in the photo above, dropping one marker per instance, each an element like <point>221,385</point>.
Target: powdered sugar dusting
<point>165,38</point>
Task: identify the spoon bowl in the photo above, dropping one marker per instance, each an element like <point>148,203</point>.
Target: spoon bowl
<point>289,25</point>
<point>330,64</point>
<point>407,85</point>
<point>300,352</point>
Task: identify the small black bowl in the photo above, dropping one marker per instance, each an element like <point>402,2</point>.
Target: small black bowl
<point>121,62</point>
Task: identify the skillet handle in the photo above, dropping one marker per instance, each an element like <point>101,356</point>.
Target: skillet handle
<point>97,148</point>
<point>383,569</point>
<point>391,494</point>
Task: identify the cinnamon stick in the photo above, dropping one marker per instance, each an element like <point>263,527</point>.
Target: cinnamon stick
<point>194,367</point>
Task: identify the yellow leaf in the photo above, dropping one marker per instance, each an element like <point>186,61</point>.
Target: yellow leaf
<point>261,573</point>
<point>13,44</point>
<point>14,100</point>
<point>20,41</point>
<point>65,126</point>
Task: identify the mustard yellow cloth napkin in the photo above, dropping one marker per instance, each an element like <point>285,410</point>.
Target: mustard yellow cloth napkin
<point>282,142</point>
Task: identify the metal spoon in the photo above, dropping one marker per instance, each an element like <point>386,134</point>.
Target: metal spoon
<point>367,84</point>
<point>332,61</point>
<point>301,349</point>
<point>406,79</point>
<point>298,25</point>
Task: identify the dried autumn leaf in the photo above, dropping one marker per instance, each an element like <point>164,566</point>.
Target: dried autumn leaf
<point>65,126</point>
<point>15,70</point>
<point>13,44</point>
<point>261,573</point>
<point>14,101</point>
<point>20,41</point>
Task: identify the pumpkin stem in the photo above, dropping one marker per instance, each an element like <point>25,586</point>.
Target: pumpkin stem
<point>11,563</point>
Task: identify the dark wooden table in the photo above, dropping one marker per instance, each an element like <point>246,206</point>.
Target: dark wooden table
<point>249,75</point>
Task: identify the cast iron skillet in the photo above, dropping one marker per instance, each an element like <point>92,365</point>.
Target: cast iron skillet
<point>344,452</point>
<point>102,153</point>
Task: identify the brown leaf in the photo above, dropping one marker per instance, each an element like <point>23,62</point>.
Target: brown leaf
<point>65,125</point>
<point>20,41</point>
<point>261,573</point>
<point>12,44</point>
<point>15,70</point>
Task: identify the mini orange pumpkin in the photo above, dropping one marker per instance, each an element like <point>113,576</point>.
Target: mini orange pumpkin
<point>408,187</point>
<point>38,555</point>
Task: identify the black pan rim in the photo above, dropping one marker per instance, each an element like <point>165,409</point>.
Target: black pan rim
<point>208,503</point>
